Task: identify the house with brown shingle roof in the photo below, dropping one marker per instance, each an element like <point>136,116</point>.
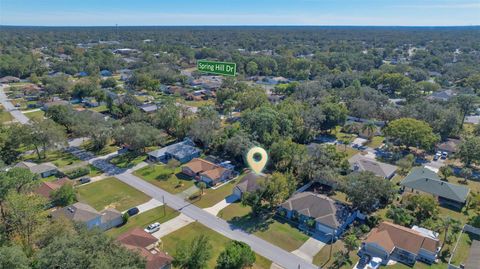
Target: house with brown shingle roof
<point>146,245</point>
<point>330,217</point>
<point>208,172</point>
<point>390,241</point>
<point>84,213</point>
<point>48,187</point>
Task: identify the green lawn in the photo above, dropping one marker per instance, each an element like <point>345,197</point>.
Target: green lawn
<point>162,176</point>
<point>100,109</point>
<point>94,171</point>
<point>211,197</point>
<point>110,148</point>
<point>349,151</point>
<point>281,234</point>
<point>5,117</point>
<point>128,160</point>
<point>38,115</point>
<point>142,220</point>
<point>59,158</point>
<point>111,192</point>
<point>376,142</point>
<point>217,241</point>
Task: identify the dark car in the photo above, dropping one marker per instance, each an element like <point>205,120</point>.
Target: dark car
<point>132,211</point>
<point>84,180</point>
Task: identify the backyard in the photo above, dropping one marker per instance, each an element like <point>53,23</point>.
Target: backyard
<point>110,192</point>
<point>211,197</point>
<point>217,241</point>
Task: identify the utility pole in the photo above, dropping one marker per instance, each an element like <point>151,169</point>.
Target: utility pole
<point>163,202</point>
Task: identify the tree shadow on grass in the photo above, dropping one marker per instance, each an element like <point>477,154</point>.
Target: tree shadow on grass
<point>251,223</point>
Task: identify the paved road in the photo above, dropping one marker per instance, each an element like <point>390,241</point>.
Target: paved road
<point>262,247</point>
<point>17,114</point>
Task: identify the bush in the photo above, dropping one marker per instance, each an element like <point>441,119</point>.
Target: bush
<point>125,217</point>
<point>77,172</point>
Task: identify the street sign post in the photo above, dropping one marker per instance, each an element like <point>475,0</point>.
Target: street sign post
<point>219,68</point>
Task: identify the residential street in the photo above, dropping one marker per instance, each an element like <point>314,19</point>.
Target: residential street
<point>17,114</point>
<point>275,254</point>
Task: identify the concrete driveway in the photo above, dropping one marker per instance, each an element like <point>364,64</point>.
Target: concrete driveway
<point>222,204</point>
<point>172,225</point>
<point>309,249</point>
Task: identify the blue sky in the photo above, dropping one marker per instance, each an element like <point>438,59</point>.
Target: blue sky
<point>240,12</point>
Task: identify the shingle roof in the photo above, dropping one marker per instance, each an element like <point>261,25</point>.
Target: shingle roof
<point>179,150</point>
<point>46,188</point>
<point>474,256</point>
<point>323,209</point>
<point>362,163</point>
<point>249,182</point>
<point>137,237</point>
<point>137,240</point>
<point>425,180</point>
<point>450,145</point>
<point>390,236</point>
<point>36,168</point>
<point>77,212</point>
<point>198,165</point>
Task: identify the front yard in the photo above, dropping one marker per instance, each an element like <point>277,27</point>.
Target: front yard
<point>59,158</point>
<point>165,177</point>
<point>211,197</point>
<point>128,160</point>
<point>110,192</point>
<point>5,116</point>
<point>217,241</point>
<point>37,115</point>
<point>324,260</point>
<point>142,220</point>
<point>270,229</point>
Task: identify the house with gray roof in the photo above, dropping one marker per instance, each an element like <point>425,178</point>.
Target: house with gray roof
<point>330,217</point>
<point>361,163</point>
<point>43,169</point>
<point>80,212</point>
<point>423,180</point>
<point>249,183</point>
<point>148,108</point>
<point>183,152</point>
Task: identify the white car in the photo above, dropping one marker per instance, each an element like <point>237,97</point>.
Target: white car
<point>152,227</point>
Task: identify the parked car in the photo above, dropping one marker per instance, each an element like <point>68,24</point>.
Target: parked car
<point>84,180</point>
<point>133,211</point>
<point>444,155</point>
<point>152,227</point>
<point>437,156</point>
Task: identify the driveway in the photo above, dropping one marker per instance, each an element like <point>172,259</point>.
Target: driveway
<point>153,203</point>
<point>172,225</point>
<point>309,249</point>
<point>222,204</point>
<point>17,114</point>
<point>275,254</point>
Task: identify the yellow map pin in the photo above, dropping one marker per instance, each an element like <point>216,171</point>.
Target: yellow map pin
<point>257,159</point>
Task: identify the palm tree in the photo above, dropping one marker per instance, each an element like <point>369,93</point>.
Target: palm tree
<point>351,242</point>
<point>202,186</point>
<point>445,224</point>
<point>370,128</point>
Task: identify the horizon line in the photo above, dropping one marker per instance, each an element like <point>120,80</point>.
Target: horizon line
<point>245,25</point>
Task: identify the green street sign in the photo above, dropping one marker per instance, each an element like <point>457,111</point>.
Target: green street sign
<point>219,68</point>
